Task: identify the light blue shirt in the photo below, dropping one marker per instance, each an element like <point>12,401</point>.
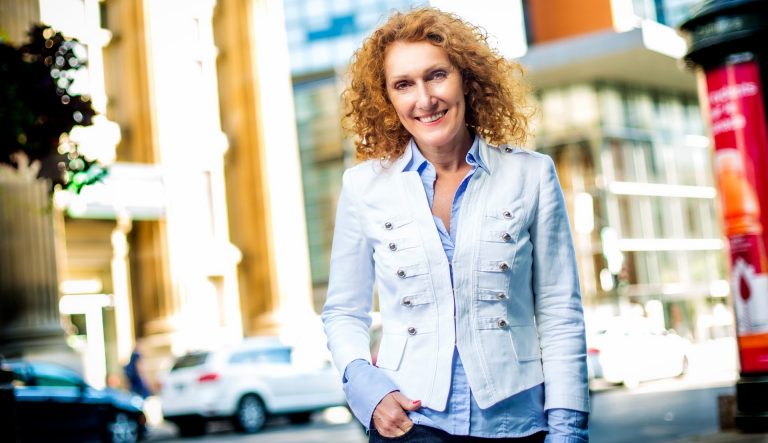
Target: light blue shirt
<point>517,416</point>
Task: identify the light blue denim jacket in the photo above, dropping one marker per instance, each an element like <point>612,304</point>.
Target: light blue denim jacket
<point>517,416</point>
<point>513,262</point>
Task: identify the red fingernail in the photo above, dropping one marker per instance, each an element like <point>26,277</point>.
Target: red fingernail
<point>416,401</point>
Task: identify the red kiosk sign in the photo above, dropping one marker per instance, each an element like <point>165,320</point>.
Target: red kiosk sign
<point>736,109</point>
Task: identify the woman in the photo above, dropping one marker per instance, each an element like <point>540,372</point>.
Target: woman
<point>467,240</point>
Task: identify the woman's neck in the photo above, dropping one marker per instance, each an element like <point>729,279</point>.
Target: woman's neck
<point>450,157</point>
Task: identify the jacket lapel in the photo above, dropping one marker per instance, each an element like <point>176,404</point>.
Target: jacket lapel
<point>415,197</point>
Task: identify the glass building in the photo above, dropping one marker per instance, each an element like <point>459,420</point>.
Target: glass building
<point>635,167</point>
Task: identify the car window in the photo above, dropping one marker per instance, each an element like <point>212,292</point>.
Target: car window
<point>190,360</point>
<point>51,375</point>
<point>260,356</point>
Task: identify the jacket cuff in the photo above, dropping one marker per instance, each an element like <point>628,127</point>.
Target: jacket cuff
<point>575,403</point>
<point>365,385</point>
<point>567,426</point>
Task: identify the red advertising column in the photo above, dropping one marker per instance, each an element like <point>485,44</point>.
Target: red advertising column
<point>734,95</point>
<point>726,40</point>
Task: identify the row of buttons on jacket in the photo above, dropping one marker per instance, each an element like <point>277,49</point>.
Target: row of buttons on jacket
<point>500,322</point>
<point>506,236</point>
<point>505,213</point>
<point>407,301</point>
<point>503,266</point>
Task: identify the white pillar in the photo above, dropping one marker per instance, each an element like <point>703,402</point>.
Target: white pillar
<point>121,288</point>
<point>282,166</point>
<point>191,147</point>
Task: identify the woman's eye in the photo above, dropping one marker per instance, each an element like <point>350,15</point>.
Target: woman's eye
<point>401,85</point>
<point>439,75</point>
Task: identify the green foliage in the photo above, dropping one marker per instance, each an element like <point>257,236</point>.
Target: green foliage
<point>38,109</point>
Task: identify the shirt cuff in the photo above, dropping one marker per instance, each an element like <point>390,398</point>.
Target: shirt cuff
<point>365,385</point>
<point>567,426</point>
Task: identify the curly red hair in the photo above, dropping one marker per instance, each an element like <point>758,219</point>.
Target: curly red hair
<point>496,103</point>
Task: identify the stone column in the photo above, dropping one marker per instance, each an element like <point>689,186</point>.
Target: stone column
<point>121,288</point>
<point>30,324</point>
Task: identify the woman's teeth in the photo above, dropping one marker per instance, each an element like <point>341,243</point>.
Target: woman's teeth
<point>433,117</point>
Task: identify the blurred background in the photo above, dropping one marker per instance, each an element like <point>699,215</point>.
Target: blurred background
<point>218,122</point>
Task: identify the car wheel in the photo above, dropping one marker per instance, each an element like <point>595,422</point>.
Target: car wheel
<point>251,414</point>
<point>122,429</point>
<point>191,427</point>
<point>300,417</point>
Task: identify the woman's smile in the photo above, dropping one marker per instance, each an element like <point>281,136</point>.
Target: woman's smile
<point>432,118</point>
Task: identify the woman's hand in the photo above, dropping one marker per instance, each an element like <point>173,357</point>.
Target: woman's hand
<point>389,417</point>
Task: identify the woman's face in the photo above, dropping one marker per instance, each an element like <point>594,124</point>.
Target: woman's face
<point>427,92</point>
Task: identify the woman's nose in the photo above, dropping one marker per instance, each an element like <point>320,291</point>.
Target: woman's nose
<point>426,99</point>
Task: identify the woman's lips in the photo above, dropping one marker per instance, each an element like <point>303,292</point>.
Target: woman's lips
<point>433,117</point>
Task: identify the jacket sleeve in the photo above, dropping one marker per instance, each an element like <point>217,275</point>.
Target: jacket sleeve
<point>346,317</point>
<point>557,299</point>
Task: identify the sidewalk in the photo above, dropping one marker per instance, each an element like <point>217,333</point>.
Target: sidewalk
<point>726,437</point>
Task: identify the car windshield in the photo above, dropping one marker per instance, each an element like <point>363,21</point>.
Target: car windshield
<point>190,360</point>
<point>51,375</point>
<point>261,356</point>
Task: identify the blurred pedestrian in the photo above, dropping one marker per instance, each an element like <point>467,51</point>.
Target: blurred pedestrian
<point>133,373</point>
<point>467,239</point>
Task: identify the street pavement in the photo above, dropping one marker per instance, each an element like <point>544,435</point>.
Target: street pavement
<point>322,431</point>
<point>681,410</point>
<point>324,428</point>
<point>726,437</point>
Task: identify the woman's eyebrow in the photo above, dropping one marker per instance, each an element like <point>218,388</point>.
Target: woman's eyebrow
<point>428,70</point>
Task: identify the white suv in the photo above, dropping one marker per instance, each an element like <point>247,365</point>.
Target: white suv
<point>245,384</point>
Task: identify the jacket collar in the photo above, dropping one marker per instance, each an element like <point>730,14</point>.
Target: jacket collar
<point>488,155</point>
<point>481,152</point>
<point>401,163</point>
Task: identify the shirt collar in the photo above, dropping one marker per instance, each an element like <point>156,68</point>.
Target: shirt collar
<point>418,162</point>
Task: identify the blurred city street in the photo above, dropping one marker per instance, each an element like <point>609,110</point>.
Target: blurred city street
<point>675,410</point>
<point>169,191</point>
<point>659,412</point>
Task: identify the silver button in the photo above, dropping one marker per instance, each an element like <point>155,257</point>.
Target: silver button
<point>506,214</point>
<point>501,296</point>
<point>388,226</point>
<point>501,323</point>
<point>508,149</point>
<point>411,330</point>
<point>392,246</point>
<point>506,237</point>
<point>407,302</point>
<point>503,266</point>
<point>401,273</point>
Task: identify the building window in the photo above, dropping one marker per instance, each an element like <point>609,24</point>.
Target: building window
<point>321,147</point>
<point>654,185</point>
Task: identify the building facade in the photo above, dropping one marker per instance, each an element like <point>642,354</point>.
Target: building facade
<point>621,119</point>
<point>166,254</point>
<point>618,115</point>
